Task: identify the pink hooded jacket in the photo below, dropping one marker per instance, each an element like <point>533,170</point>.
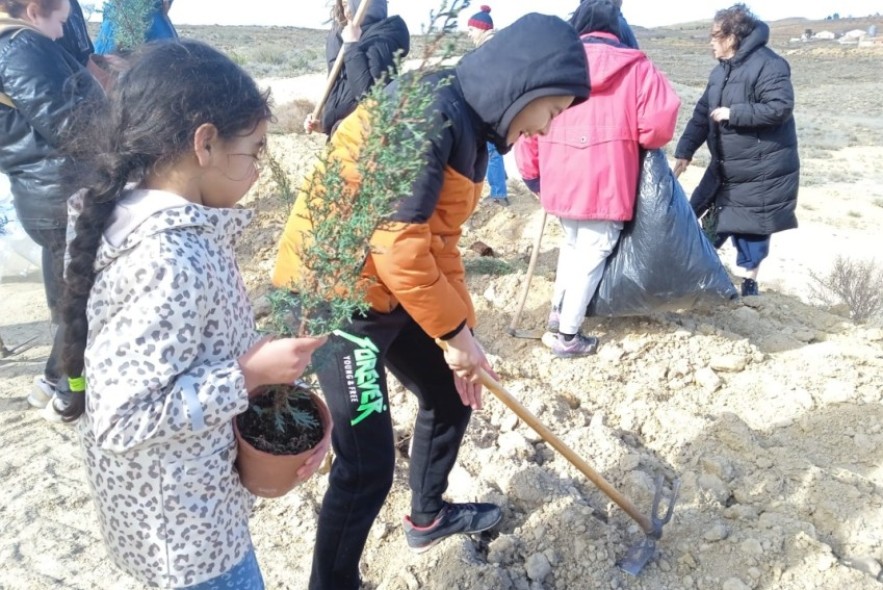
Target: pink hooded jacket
<point>588,161</point>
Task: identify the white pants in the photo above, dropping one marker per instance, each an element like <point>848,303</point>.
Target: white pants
<point>584,251</point>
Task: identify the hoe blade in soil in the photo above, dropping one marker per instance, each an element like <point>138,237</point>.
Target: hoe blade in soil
<point>643,552</point>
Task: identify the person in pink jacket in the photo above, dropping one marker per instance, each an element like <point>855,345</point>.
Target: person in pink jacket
<point>585,167</point>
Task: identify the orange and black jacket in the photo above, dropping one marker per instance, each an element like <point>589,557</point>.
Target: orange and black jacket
<point>415,259</point>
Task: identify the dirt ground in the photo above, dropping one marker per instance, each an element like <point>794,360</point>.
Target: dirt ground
<point>768,410</point>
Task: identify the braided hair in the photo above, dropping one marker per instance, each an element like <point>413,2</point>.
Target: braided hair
<point>152,114</point>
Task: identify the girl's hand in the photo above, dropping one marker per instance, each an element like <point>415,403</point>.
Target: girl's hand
<point>312,125</point>
<point>314,461</point>
<point>351,32</point>
<point>271,362</point>
<point>465,356</point>
<point>680,165</point>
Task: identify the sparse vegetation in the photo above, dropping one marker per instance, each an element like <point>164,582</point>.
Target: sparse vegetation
<point>858,284</point>
<point>289,117</point>
<point>489,266</point>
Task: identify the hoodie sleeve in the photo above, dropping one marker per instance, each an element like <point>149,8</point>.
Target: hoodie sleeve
<point>422,270</point>
<point>696,132</point>
<point>145,384</point>
<point>658,105</point>
<point>774,102</point>
<point>527,156</point>
<point>44,86</point>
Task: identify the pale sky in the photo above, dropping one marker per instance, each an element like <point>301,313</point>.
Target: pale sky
<point>649,13</point>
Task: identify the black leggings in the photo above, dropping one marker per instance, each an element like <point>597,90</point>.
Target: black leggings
<point>352,378</point>
<point>52,241</point>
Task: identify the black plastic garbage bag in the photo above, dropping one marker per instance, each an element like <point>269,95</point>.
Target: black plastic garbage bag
<point>663,261</point>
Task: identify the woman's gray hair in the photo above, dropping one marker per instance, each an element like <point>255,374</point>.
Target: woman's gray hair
<point>737,20</point>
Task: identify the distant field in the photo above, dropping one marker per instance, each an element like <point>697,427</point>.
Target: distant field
<point>278,51</point>
<point>291,51</point>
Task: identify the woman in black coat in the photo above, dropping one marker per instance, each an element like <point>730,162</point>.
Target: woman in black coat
<point>369,53</point>
<point>43,88</point>
<point>745,117</point>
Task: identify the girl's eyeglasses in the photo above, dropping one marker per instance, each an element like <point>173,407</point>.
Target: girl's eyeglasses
<point>257,162</point>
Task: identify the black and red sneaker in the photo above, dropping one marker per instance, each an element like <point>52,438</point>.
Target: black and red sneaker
<point>453,519</point>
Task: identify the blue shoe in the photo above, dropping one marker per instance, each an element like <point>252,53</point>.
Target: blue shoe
<point>749,288</point>
<point>464,519</point>
<point>502,201</point>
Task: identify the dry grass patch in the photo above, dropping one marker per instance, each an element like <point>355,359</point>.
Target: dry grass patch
<point>289,117</point>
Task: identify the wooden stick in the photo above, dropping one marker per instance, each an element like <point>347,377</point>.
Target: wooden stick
<point>338,63</point>
<point>535,253</point>
<point>596,478</point>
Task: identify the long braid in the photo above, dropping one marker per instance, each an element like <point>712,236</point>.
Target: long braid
<point>98,205</point>
<point>152,114</point>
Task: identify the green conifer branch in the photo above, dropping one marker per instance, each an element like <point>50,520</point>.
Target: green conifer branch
<point>391,157</point>
<point>131,20</point>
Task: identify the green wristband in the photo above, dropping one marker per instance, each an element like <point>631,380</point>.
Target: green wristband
<point>77,384</point>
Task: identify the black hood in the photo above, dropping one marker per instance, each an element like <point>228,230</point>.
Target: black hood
<point>536,56</point>
<point>756,39</point>
<point>393,28</point>
<point>596,16</point>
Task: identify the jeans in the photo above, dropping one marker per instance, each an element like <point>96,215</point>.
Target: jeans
<point>496,173</point>
<point>52,242</point>
<point>246,575</point>
<point>751,249</point>
<point>351,375</point>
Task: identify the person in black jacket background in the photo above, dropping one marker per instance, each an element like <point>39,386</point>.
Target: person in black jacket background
<point>44,86</point>
<point>745,116</point>
<point>369,53</point>
<point>76,40</point>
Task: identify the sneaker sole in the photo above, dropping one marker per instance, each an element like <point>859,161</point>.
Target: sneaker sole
<point>424,548</point>
<point>38,398</point>
<point>563,355</point>
<point>36,402</point>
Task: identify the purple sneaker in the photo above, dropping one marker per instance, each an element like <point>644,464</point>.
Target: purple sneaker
<point>554,321</point>
<point>577,346</point>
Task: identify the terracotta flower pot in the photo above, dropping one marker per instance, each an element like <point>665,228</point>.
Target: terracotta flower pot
<point>271,476</point>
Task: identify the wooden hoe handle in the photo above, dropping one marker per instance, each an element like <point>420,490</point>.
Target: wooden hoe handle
<point>596,478</point>
<point>338,63</point>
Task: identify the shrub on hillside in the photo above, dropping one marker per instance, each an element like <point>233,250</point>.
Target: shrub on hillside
<point>857,284</point>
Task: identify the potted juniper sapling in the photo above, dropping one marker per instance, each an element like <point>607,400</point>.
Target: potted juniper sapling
<point>341,217</point>
<point>284,423</point>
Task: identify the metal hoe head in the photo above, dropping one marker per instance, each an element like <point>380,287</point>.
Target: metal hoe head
<point>8,352</point>
<point>528,334</point>
<point>641,554</point>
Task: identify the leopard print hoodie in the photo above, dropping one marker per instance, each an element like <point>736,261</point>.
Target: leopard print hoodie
<point>168,317</point>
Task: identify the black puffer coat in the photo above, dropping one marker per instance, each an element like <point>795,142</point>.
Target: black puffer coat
<point>47,85</point>
<point>364,63</point>
<point>755,170</point>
